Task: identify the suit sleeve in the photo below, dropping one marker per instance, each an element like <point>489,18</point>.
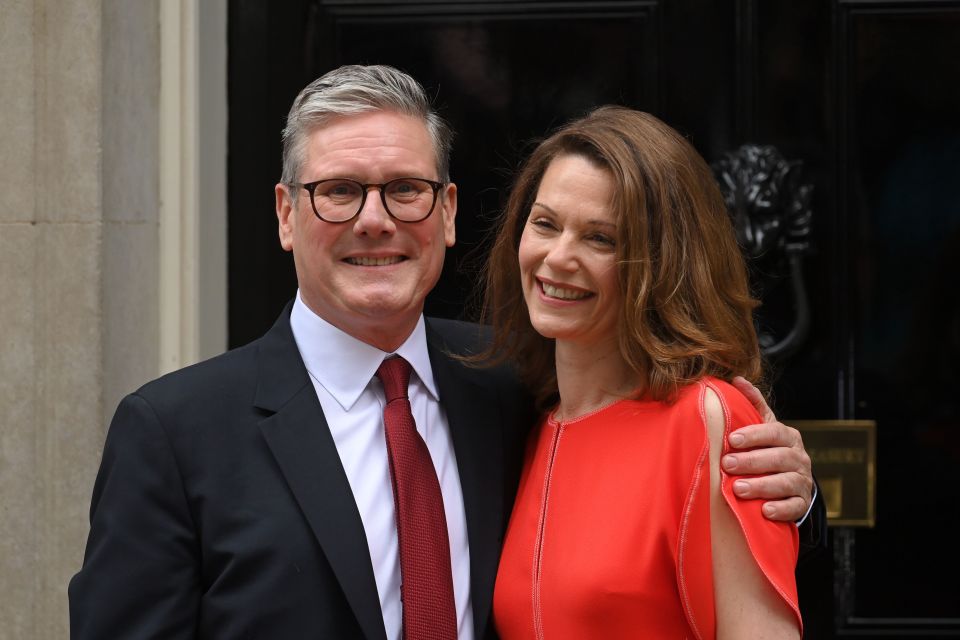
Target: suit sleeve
<point>140,574</point>
<point>813,529</point>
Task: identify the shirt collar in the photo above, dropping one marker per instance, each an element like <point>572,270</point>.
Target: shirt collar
<point>344,365</point>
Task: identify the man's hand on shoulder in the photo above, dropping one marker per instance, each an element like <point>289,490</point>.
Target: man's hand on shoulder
<point>775,451</point>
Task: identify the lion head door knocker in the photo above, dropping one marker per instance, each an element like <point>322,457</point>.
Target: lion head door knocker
<point>770,208</point>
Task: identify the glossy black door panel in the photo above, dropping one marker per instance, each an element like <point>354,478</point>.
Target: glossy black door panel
<point>865,93</point>
<point>899,143</point>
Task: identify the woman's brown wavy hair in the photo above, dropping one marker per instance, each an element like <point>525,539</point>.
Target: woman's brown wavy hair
<point>687,308</point>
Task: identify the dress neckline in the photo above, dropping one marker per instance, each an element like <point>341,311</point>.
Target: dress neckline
<point>552,415</point>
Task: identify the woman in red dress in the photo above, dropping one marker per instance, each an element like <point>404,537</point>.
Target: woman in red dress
<point>617,284</point>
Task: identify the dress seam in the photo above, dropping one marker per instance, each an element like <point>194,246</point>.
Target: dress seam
<point>541,533</point>
<point>691,498</point>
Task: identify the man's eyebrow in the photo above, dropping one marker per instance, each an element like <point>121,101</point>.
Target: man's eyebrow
<point>594,222</point>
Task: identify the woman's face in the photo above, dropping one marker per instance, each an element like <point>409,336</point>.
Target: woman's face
<point>567,255</point>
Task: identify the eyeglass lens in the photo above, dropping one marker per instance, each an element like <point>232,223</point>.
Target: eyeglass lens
<point>408,199</point>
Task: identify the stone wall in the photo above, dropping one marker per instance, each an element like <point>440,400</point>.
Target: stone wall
<point>79,90</point>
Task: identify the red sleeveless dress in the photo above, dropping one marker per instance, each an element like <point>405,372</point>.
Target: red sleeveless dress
<point>610,533</point>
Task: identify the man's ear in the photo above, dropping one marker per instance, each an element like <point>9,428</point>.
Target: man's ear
<point>286,215</point>
<point>448,204</point>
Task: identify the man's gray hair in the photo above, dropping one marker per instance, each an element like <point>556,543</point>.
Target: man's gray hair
<point>354,89</point>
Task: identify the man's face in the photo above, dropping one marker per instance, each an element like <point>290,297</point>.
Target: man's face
<point>368,276</point>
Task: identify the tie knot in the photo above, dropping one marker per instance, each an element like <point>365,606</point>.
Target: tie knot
<point>394,373</point>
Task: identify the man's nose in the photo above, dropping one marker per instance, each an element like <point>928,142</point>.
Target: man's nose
<point>373,218</point>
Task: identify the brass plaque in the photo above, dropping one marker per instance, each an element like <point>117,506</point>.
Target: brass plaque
<point>844,455</point>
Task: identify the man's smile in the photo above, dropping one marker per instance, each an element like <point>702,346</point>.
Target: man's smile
<point>374,262</point>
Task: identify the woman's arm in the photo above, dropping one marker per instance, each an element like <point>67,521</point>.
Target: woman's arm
<point>747,605</point>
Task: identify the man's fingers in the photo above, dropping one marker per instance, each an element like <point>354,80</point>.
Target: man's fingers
<point>769,448</point>
<point>756,398</point>
<point>769,434</point>
<point>769,460</point>
<point>789,510</point>
<point>781,486</point>
<point>785,484</point>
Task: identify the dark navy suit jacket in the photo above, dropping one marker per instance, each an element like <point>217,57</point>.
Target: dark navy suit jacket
<point>221,509</point>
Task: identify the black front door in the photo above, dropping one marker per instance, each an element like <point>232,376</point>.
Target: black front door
<point>865,94</point>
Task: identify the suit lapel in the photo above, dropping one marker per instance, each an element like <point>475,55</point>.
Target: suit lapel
<point>300,440</point>
<point>473,413</point>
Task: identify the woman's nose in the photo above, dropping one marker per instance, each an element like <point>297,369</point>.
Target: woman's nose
<point>561,255</point>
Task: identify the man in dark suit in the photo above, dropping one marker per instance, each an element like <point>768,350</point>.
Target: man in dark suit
<point>251,496</point>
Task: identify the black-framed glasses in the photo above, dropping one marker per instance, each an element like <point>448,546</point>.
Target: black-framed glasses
<point>341,199</point>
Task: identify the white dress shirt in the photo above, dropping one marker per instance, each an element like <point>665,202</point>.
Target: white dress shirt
<point>342,370</point>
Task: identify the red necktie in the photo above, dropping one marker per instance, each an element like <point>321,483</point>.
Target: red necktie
<point>426,588</point>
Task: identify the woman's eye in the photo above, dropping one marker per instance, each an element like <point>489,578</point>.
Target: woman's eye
<point>602,239</point>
